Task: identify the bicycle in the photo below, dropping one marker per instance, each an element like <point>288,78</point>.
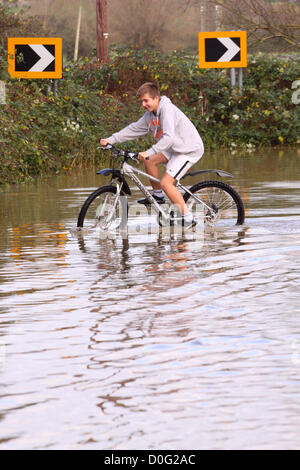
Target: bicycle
<point>107,206</point>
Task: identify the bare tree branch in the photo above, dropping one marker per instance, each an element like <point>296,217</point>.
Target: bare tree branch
<point>263,20</point>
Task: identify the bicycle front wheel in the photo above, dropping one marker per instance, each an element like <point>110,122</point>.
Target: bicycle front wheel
<point>104,209</point>
<point>222,206</point>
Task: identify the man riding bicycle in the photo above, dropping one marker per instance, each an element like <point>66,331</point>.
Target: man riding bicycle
<point>178,146</point>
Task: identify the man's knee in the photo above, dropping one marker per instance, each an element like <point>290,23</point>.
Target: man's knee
<point>148,164</point>
<point>156,159</point>
<point>167,181</point>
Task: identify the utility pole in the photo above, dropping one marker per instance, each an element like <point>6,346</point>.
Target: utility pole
<point>202,15</point>
<point>102,30</point>
<point>78,32</point>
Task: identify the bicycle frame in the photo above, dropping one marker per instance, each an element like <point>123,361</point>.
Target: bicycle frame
<point>130,171</point>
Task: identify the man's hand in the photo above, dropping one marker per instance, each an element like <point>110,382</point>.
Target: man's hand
<point>104,142</point>
<point>142,155</point>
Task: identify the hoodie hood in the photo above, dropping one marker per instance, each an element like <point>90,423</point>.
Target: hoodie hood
<point>163,101</point>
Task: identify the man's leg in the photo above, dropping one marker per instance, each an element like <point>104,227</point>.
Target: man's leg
<point>152,168</point>
<point>167,185</point>
<point>167,181</point>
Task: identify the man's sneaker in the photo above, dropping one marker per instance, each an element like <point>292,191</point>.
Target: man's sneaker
<point>160,200</point>
<point>188,221</point>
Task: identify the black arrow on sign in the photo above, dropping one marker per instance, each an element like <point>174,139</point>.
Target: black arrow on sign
<point>222,49</point>
<point>26,57</point>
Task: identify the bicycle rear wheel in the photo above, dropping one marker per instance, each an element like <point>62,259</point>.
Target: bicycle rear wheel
<point>104,209</point>
<point>223,205</point>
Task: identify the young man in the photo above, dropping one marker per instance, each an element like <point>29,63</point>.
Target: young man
<point>178,145</point>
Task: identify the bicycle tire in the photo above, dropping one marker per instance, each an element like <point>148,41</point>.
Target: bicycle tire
<point>103,190</point>
<point>216,207</point>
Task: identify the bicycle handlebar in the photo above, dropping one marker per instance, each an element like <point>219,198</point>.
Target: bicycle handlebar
<point>118,152</point>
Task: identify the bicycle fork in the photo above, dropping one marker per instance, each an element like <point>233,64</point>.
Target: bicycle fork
<point>113,207</point>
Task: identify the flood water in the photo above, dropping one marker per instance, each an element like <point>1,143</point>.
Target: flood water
<point>148,343</point>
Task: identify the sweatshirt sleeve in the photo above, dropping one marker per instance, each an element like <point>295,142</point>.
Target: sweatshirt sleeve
<point>134,130</point>
<point>168,137</point>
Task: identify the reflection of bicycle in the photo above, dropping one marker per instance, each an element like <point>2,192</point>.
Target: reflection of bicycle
<point>107,206</point>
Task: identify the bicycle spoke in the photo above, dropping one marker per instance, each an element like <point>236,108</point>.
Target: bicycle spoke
<point>220,206</point>
<point>102,210</point>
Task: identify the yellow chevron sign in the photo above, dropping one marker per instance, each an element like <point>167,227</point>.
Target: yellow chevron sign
<point>221,49</point>
<point>35,57</point>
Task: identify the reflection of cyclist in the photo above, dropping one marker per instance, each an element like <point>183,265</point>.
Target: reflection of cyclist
<point>178,144</point>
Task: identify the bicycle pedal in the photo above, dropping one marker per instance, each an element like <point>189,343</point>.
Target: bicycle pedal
<point>146,202</point>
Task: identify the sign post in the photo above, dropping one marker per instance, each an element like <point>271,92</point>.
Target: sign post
<point>240,79</point>
<point>232,78</point>
<point>224,49</point>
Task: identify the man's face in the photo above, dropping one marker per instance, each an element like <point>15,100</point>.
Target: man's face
<point>148,103</point>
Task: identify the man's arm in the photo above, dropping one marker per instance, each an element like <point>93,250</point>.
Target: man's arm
<point>134,130</point>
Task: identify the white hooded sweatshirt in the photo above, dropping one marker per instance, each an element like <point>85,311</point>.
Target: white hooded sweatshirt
<point>174,132</point>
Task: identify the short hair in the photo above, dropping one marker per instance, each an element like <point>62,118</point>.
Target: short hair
<point>148,87</point>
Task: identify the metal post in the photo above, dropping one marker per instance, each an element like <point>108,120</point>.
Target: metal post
<point>240,80</point>
<point>52,87</point>
<point>232,78</point>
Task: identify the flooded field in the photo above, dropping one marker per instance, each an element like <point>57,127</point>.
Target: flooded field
<point>148,343</point>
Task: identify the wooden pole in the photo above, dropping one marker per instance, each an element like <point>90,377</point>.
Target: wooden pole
<point>102,30</point>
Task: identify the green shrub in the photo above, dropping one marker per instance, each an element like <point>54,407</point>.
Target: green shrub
<point>43,131</point>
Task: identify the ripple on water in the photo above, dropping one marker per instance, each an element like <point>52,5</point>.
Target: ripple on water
<point>151,344</point>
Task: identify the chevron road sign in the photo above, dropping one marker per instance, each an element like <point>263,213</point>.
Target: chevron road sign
<point>35,57</point>
<point>221,49</point>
